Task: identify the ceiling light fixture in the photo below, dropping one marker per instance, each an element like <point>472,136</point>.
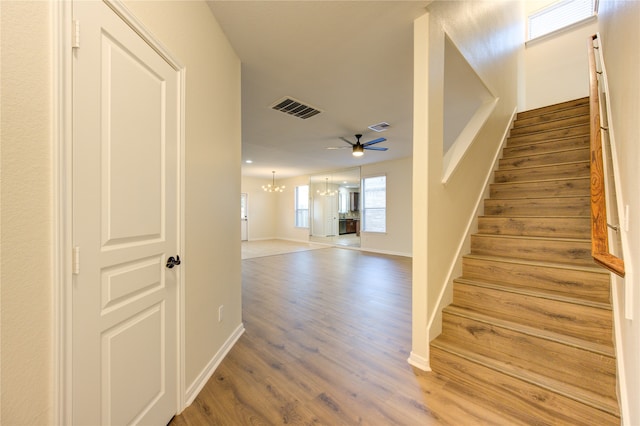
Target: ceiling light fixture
<point>272,186</point>
<point>358,150</point>
<point>327,192</point>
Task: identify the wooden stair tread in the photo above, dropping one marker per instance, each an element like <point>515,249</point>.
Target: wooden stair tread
<point>559,151</point>
<point>525,128</point>
<point>533,293</point>
<point>608,405</point>
<point>545,136</point>
<point>525,237</point>
<point>534,217</point>
<point>551,116</point>
<point>575,342</point>
<point>552,140</point>
<point>571,126</point>
<point>542,166</point>
<point>541,180</point>
<point>587,268</point>
<point>538,198</point>
<point>555,107</point>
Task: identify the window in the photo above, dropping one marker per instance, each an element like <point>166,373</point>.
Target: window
<point>374,211</point>
<point>560,15</point>
<point>302,206</point>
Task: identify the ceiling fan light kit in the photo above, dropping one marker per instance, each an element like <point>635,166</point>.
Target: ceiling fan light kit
<point>358,148</point>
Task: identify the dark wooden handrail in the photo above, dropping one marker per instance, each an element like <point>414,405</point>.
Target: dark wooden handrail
<point>599,231</point>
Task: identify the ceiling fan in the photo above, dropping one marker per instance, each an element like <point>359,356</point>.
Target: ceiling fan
<point>358,148</point>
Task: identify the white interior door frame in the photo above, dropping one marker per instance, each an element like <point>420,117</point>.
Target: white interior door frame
<point>61,230</point>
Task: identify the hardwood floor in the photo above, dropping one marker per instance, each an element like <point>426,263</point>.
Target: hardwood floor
<point>328,334</point>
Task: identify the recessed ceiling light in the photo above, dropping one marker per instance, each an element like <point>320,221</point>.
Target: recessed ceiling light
<point>248,161</point>
<point>380,127</point>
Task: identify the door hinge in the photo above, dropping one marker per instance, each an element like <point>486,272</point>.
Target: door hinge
<point>75,260</point>
<point>75,34</point>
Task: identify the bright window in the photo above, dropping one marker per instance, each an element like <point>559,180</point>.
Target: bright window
<point>560,15</point>
<point>374,210</point>
<point>302,206</point>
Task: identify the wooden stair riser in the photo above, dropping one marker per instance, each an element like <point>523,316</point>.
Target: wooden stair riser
<point>563,106</point>
<point>531,403</point>
<point>565,206</point>
<point>578,283</point>
<point>555,157</point>
<point>568,251</point>
<point>567,132</point>
<point>542,188</point>
<point>575,120</point>
<point>539,355</point>
<point>546,147</point>
<point>554,171</point>
<point>583,322</point>
<point>552,116</point>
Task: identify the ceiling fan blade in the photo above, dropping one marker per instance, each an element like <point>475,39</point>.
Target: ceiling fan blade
<point>347,141</point>
<point>374,141</point>
<point>373,148</point>
<point>339,147</point>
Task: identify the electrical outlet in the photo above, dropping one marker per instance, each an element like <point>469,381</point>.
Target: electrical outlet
<point>220,312</point>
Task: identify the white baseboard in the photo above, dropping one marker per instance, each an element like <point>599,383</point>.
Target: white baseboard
<point>198,384</point>
<point>419,362</point>
<point>389,252</point>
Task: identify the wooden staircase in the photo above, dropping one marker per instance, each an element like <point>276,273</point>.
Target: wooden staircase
<point>530,329</point>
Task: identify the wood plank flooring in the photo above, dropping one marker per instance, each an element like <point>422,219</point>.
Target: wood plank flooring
<point>328,334</point>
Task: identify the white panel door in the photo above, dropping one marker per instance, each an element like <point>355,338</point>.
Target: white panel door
<point>331,215</point>
<point>125,206</point>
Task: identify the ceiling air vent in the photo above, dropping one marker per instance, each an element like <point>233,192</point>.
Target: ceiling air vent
<point>296,108</point>
<point>380,127</point>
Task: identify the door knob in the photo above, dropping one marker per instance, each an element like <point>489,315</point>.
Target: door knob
<point>171,262</point>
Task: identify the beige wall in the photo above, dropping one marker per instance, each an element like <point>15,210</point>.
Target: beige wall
<point>262,207</point>
<point>212,252</point>
<point>398,238</point>
<point>285,211</point>
<point>448,209</point>
<point>556,68</point>
<point>26,190</point>
<point>620,38</point>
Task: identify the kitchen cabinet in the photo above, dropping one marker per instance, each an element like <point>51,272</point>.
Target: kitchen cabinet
<point>349,226</point>
<point>354,201</point>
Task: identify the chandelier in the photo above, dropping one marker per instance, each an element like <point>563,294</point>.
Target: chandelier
<point>272,186</point>
<point>327,192</point>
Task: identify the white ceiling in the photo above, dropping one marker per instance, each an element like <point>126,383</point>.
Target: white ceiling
<point>353,60</point>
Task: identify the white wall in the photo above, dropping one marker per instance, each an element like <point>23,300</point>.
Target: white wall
<point>212,252</point>
<point>620,32</point>
<point>490,35</point>
<point>26,215</point>
<point>398,238</point>
<point>261,217</point>
<point>556,67</point>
